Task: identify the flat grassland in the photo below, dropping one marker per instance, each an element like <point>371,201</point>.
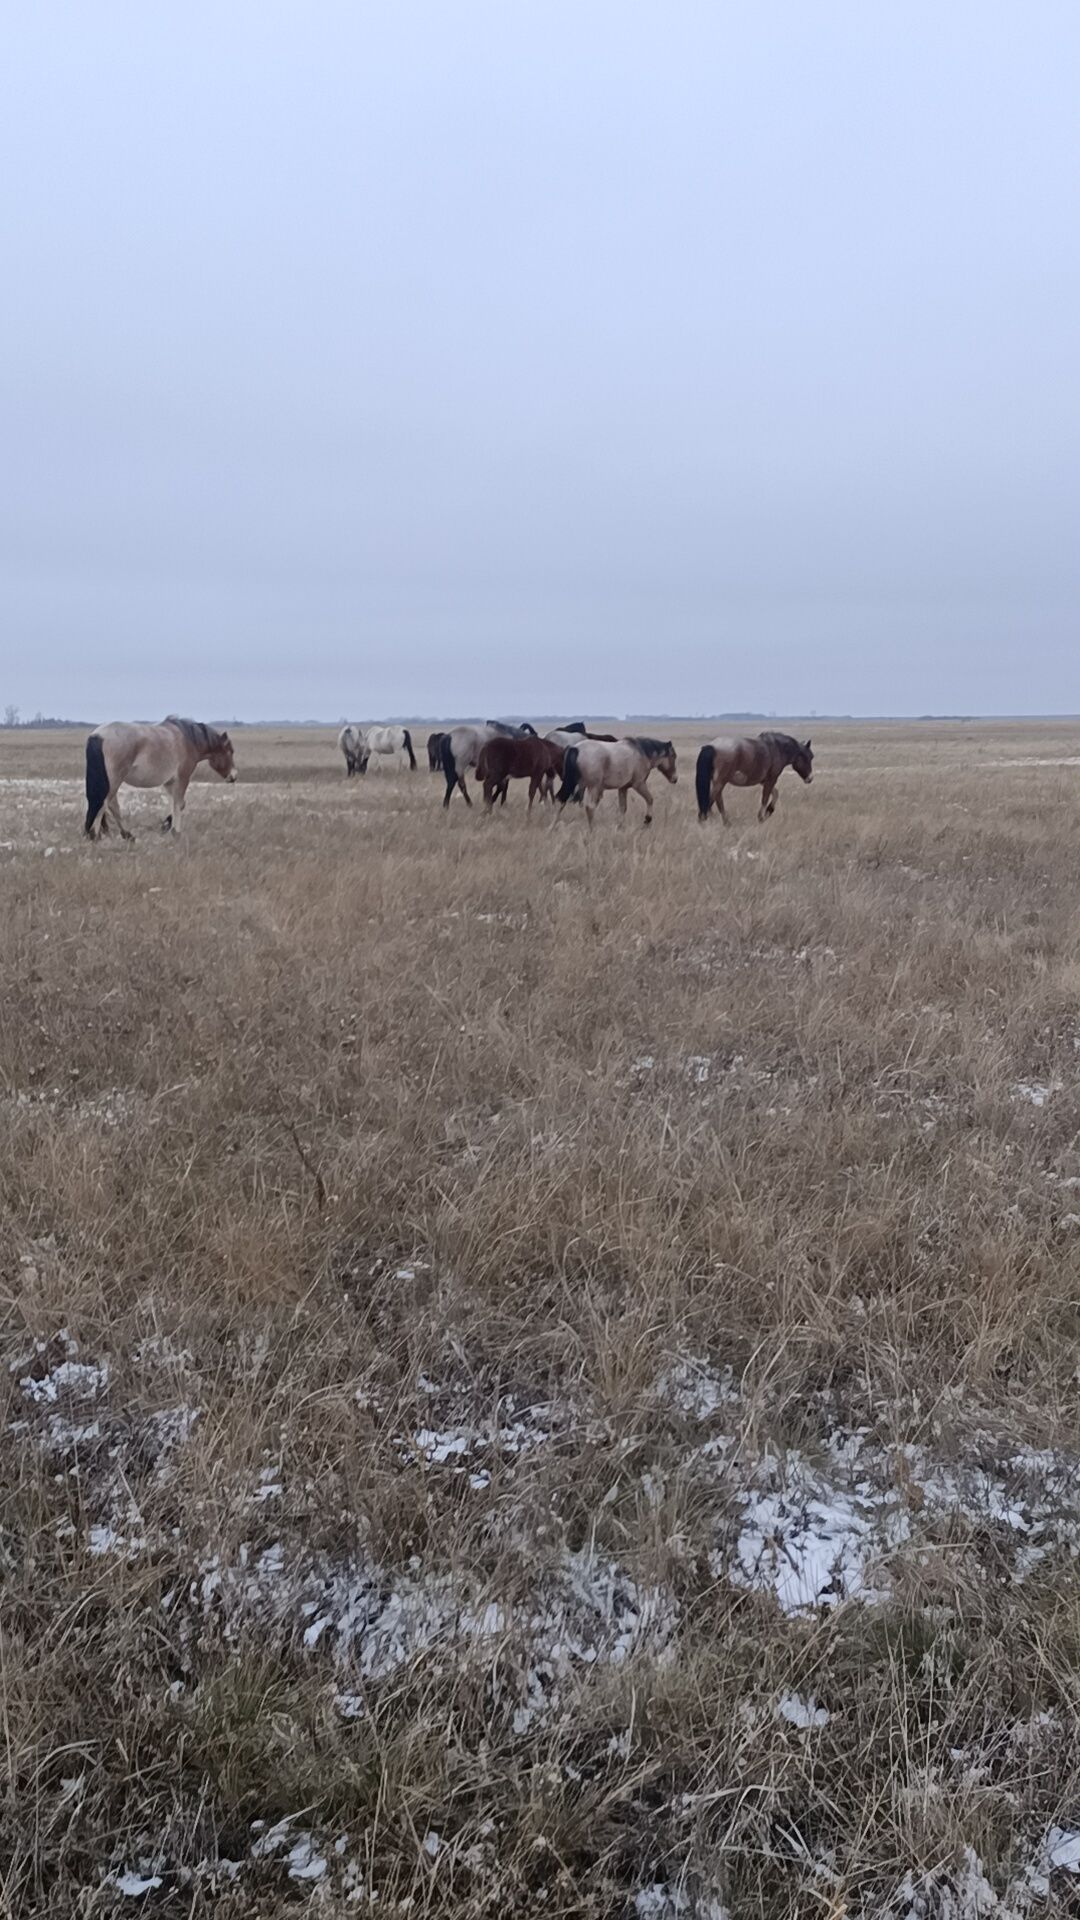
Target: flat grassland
<point>540,1371</point>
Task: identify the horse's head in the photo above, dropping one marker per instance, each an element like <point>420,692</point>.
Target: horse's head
<point>803,761</point>
<point>362,758</point>
<point>221,757</point>
<point>666,763</point>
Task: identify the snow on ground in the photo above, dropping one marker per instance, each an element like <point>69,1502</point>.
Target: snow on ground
<point>584,1612</point>
<point>817,1533</point>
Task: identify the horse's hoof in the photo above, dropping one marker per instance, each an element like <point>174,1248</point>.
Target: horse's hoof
<point>166,825</point>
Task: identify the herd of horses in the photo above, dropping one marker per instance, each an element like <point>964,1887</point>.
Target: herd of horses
<point>587,764</point>
<point>567,764</point>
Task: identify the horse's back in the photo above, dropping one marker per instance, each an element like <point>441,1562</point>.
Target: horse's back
<point>740,759</point>
<point>143,755</point>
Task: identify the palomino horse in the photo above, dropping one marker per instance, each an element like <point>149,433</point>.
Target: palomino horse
<point>503,760</point>
<point>758,760</point>
<point>596,765</point>
<point>462,747</point>
<point>434,751</point>
<point>148,756</point>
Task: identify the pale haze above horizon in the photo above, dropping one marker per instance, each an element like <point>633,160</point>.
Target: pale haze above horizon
<point>613,358</point>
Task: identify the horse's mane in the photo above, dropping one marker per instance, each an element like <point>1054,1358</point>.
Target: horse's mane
<point>195,732</point>
<point>645,743</point>
<point>785,740</point>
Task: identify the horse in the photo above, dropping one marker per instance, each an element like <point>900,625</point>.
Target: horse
<point>434,751</point>
<point>461,749</point>
<point>757,760</point>
<point>596,765</point>
<point>502,760</point>
<point>148,756</point>
<point>575,733</point>
<point>462,746</point>
<point>351,743</point>
<point>384,742</point>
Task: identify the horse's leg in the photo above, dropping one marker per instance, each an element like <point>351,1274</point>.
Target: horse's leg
<point>622,803</point>
<point>768,799</point>
<point>112,807</point>
<point>641,786</point>
<point>464,789</point>
<point>591,800</point>
<point>720,804</point>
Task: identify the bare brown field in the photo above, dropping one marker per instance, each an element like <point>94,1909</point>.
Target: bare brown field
<point>540,1372</point>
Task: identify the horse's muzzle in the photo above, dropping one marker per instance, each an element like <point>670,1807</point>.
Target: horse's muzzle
<point>232,778</point>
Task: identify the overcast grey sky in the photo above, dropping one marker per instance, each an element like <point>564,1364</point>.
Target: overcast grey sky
<point>540,355</point>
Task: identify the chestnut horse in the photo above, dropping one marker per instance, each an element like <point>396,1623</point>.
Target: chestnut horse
<point>502,760</point>
<point>148,756</point>
<point>758,760</point>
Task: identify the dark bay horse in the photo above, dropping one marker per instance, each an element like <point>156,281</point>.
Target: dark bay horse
<point>502,760</point>
<point>758,760</point>
<point>148,756</point>
<point>462,746</point>
<point>434,751</point>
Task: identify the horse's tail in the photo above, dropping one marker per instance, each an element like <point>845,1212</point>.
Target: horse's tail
<point>571,776</point>
<point>406,741</point>
<point>703,781</point>
<point>97,781</point>
<point>449,766</point>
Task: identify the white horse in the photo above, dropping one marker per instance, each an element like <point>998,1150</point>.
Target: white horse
<point>359,743</point>
<point>351,743</point>
<point>595,765</point>
<point>148,756</point>
<point>387,743</point>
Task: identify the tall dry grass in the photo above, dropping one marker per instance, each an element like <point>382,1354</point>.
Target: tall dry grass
<point>338,1124</point>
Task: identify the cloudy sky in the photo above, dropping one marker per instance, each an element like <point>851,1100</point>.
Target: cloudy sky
<point>540,355</point>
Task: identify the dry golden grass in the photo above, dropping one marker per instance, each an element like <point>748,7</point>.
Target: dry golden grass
<point>386,1198</point>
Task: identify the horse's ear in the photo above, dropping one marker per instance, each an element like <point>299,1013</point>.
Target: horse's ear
<point>808,746</point>
<point>225,741</point>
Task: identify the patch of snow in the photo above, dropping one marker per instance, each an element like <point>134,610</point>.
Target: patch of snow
<point>69,1379</point>
<point>1036,1092</point>
<point>694,1388</point>
<point>303,1861</point>
<point>432,1844</point>
<point>816,1535</point>
<point>133,1885</point>
<point>801,1713</point>
<point>585,1612</point>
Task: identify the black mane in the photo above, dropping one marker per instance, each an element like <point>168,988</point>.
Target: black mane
<point>198,735</point>
<point>645,743</point>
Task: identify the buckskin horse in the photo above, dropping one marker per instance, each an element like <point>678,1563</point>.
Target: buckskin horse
<point>757,760</point>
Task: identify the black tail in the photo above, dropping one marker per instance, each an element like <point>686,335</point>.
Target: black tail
<point>407,743</point>
<point>703,781</point>
<point>97,781</point>
<point>449,767</point>
<point>571,776</point>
